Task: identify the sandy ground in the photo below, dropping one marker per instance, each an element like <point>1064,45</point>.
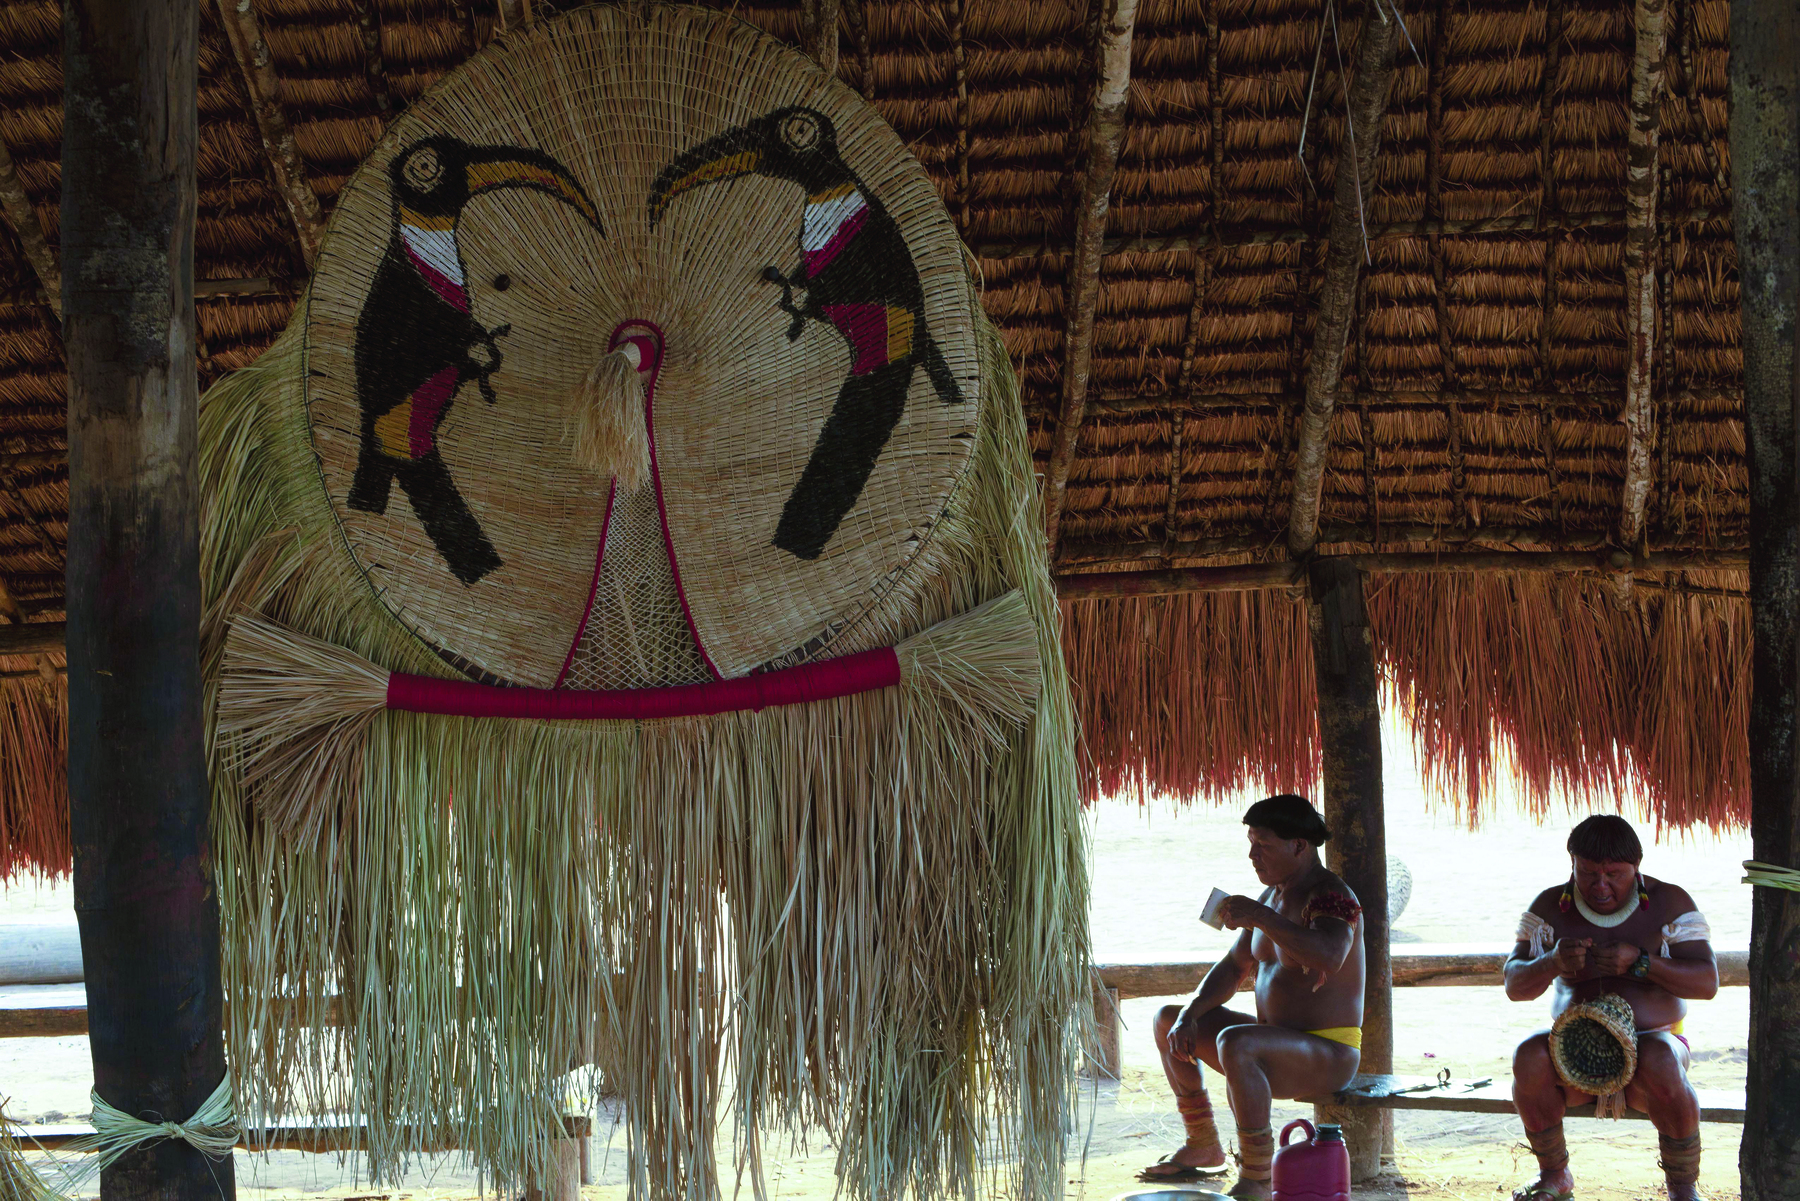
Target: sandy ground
<point>1150,866</point>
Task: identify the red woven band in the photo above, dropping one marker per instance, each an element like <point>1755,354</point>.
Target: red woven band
<point>1331,904</point>
<point>862,672</point>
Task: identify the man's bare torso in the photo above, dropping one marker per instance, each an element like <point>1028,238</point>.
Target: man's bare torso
<point>1656,1008</point>
<point>1285,993</point>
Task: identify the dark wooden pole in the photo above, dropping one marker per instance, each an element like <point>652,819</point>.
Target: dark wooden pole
<point>1350,742</point>
<point>1765,177</point>
<point>137,773</point>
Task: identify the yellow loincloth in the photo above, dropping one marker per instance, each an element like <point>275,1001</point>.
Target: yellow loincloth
<point>1350,1036</point>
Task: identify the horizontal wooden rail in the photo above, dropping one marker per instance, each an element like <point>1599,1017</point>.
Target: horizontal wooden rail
<point>1284,573</point>
<point>313,1139</point>
<point>1410,971</point>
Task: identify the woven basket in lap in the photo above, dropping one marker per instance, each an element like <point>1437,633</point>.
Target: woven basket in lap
<point>632,642</point>
<point>1594,1045</point>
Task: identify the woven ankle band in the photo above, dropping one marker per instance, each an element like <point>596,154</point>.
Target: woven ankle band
<point>1548,1145</point>
<point>1680,1157</point>
<point>1197,1117</point>
<point>1256,1150</point>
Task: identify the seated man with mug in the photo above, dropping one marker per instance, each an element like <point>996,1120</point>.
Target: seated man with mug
<point>1303,941</point>
<point>1612,930</point>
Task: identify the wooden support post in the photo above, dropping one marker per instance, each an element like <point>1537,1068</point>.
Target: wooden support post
<point>564,1180</point>
<point>138,793</point>
<point>1642,139</point>
<point>1365,109</point>
<point>1103,1057</point>
<point>1765,182</point>
<point>1105,134</point>
<point>1350,746</point>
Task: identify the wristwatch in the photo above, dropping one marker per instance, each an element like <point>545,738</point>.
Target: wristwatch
<point>1641,969</point>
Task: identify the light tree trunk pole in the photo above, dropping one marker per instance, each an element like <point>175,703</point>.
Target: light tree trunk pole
<point>1350,745</point>
<point>144,892</point>
<point>1765,171</point>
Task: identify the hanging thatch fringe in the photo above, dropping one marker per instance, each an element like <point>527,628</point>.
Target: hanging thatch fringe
<point>1196,695</point>
<point>34,791</point>
<point>1527,678</point>
<point>866,914</point>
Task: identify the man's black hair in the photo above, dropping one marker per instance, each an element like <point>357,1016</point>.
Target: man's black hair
<point>1288,816</point>
<point>1606,838</point>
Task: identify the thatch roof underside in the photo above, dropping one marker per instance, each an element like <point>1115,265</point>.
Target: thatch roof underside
<point>1483,384</point>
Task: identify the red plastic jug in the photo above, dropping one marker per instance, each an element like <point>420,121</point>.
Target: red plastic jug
<point>1315,1170</point>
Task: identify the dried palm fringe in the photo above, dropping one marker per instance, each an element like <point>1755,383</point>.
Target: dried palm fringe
<point>34,791</point>
<point>18,1181</point>
<point>859,915</point>
<point>1530,679</point>
<point>296,710</point>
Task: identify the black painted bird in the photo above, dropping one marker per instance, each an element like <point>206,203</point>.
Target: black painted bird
<point>858,275</point>
<point>417,341</point>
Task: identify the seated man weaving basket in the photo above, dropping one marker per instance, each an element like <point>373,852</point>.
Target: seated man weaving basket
<point>1625,953</point>
<point>1303,940</point>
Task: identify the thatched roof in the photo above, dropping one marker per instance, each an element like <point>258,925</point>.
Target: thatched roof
<point>1482,390</point>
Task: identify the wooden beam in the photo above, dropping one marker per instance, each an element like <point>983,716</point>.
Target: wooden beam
<point>1647,69</point>
<point>22,215</point>
<point>1602,404</point>
<point>33,638</point>
<point>263,90</point>
<point>856,16</point>
<point>1725,554</point>
<point>1365,108</point>
<point>1349,698</point>
<point>318,1140</point>
<point>514,14</point>
<point>964,113</point>
<point>368,25</point>
<point>145,892</point>
<point>1690,91</point>
<point>1105,134</point>
<point>1253,577</point>
<point>1765,191</point>
<point>819,30</point>
<point>1601,221</point>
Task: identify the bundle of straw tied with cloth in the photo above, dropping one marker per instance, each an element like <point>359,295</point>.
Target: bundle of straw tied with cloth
<point>632,645</point>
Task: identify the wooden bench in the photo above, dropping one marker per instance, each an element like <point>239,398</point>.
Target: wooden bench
<point>1491,1096</point>
<point>1448,967</point>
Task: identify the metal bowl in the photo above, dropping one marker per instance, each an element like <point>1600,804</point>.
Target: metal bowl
<point>1170,1192</point>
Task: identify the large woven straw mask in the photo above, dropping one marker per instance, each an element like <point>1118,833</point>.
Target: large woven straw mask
<point>639,355</point>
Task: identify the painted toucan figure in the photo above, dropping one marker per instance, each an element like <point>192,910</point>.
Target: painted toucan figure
<point>417,341</point>
<point>858,275</point>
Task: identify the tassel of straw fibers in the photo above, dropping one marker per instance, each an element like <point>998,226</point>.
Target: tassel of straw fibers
<point>608,428</point>
<point>864,916</point>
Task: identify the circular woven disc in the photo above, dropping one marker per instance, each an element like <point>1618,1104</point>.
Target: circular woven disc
<point>816,403</point>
